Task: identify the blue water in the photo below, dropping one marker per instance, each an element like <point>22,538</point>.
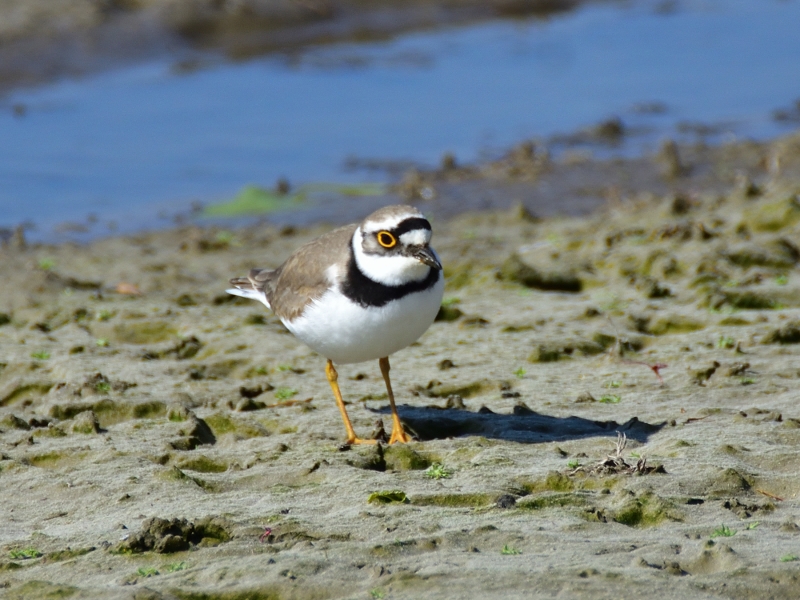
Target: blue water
<point>136,144</point>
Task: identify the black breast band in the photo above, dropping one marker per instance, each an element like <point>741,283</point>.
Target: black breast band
<point>366,292</point>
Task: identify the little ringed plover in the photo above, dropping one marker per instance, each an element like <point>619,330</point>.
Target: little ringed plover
<point>361,292</point>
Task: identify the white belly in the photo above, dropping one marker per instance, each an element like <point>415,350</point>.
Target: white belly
<point>344,332</point>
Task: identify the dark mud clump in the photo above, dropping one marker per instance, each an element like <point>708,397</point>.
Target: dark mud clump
<point>788,334</point>
<point>514,269</point>
<point>166,536</point>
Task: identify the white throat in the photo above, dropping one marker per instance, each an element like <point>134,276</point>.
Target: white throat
<point>388,270</point>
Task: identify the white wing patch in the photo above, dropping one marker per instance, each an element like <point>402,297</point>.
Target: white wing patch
<point>250,295</point>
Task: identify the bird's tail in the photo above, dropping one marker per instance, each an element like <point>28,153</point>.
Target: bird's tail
<point>254,286</point>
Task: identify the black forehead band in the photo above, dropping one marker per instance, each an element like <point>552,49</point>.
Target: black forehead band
<point>410,225</point>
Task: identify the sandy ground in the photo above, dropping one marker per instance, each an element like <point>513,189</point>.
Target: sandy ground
<point>159,439</point>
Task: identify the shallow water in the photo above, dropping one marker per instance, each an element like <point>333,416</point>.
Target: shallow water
<point>138,145</point>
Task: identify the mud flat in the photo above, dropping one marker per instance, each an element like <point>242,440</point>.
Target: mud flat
<point>606,408</point>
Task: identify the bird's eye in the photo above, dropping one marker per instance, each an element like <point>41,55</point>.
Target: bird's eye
<point>386,239</point>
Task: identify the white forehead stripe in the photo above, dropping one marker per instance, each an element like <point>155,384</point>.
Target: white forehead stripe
<point>390,222</point>
<point>416,237</point>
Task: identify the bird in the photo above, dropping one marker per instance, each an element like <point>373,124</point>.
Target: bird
<point>355,294</point>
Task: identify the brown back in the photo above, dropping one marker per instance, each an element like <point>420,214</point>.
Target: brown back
<point>302,278</point>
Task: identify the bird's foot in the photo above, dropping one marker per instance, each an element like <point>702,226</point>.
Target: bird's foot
<point>354,441</point>
<point>399,435</point>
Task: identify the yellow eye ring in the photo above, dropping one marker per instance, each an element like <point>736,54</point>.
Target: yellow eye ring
<point>386,239</point>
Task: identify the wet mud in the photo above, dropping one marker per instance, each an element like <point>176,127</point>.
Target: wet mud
<point>606,407</point>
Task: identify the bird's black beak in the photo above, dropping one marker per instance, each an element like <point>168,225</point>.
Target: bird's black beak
<point>426,256</point>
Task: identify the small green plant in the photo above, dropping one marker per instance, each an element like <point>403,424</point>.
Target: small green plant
<point>25,553</point>
<point>574,463</point>
<point>636,455</point>
<point>509,551</point>
<point>285,393</point>
<point>261,371</point>
<point>610,399</point>
<point>103,387</point>
<point>47,263</point>
<point>451,301</point>
<point>147,571</point>
<point>41,355</point>
<point>747,380</point>
<point>790,558</point>
<point>723,531</point>
<point>437,471</point>
<point>377,593</point>
<point>782,279</point>
<point>520,373</point>
<point>614,384</point>
<point>752,525</point>
<point>104,315</point>
<point>101,342</point>
<point>726,342</point>
<point>176,566</point>
<point>284,367</point>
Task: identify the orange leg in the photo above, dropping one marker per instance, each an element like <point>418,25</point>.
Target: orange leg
<point>398,433</point>
<point>333,379</point>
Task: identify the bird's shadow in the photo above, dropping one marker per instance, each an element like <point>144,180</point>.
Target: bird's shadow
<point>522,425</point>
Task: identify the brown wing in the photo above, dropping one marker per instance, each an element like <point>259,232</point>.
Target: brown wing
<point>303,278</point>
<point>258,280</point>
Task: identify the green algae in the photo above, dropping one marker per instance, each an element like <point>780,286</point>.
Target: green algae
<point>449,313</point>
<point>148,410</point>
<point>728,482</point>
<point>109,411</point>
<point>554,481</point>
<point>25,391</point>
<point>33,590</point>
<point>86,423</point>
<point>734,321</point>
<point>175,474</point>
<point>246,594</point>
<point>14,422</point>
<point>401,457</point>
<point>476,500</point>
<point>516,270</point>
<point>54,459</point>
<point>772,216</point>
<point>646,510</point>
<point>254,200</point>
<point>137,332</point>
<point>675,324</point>
<point>459,276</point>
<point>221,424</point>
<point>388,497</point>
<point>745,300</point>
<point>555,500</point>
<point>202,464</point>
<point>52,431</point>
<point>544,353</point>
<point>67,554</point>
